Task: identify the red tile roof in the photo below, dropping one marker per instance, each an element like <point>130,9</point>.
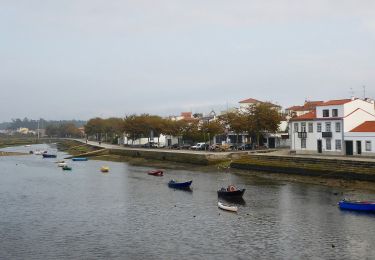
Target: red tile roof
<point>336,102</point>
<point>250,100</point>
<point>308,116</point>
<point>309,105</point>
<point>186,114</point>
<point>368,126</point>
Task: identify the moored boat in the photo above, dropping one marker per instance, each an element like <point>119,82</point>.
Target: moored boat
<point>46,155</point>
<point>231,192</point>
<point>368,206</point>
<point>79,159</point>
<point>227,207</point>
<point>61,164</point>
<point>179,185</point>
<point>66,168</point>
<point>104,169</point>
<point>156,172</point>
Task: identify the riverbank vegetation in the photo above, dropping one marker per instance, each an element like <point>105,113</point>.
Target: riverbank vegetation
<point>6,141</point>
<point>254,121</point>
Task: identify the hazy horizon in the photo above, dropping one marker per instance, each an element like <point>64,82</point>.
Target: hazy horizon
<point>78,59</point>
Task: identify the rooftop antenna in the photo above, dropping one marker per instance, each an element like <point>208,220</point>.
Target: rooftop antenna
<point>364,92</point>
<point>351,92</point>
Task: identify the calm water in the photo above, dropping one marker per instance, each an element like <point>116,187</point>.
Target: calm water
<point>47,213</point>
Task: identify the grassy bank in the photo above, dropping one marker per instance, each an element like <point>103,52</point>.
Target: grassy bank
<point>8,141</point>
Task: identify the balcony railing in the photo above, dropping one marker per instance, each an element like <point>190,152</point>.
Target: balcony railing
<point>326,134</point>
<point>302,135</point>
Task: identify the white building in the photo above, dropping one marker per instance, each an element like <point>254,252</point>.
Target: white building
<point>325,129</point>
<point>361,139</point>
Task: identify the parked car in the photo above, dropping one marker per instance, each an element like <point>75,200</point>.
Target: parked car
<point>198,146</point>
<point>150,145</point>
<point>245,147</point>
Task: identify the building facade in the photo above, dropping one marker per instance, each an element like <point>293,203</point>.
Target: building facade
<point>325,129</point>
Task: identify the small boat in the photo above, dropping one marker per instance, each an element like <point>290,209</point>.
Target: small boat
<point>79,159</point>
<point>27,145</point>
<point>61,164</point>
<point>66,168</point>
<point>179,185</point>
<point>46,155</point>
<point>227,207</point>
<point>231,192</point>
<point>368,206</point>
<point>156,172</point>
<point>104,169</point>
<point>37,152</point>
<point>31,152</point>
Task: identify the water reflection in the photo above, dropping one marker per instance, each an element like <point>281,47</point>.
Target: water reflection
<point>48,213</point>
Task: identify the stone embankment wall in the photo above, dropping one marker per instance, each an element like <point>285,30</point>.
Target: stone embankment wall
<point>328,168</point>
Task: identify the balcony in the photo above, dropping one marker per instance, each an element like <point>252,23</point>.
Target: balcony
<point>326,134</point>
<point>302,135</point>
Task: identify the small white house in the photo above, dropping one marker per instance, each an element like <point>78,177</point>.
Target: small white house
<point>324,129</point>
<point>361,140</point>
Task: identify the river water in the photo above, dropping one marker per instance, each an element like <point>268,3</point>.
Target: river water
<point>47,213</point>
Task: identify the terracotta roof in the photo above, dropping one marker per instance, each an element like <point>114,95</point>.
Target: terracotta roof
<point>186,114</point>
<point>308,105</point>
<point>368,126</point>
<point>250,100</point>
<point>308,116</point>
<point>336,102</point>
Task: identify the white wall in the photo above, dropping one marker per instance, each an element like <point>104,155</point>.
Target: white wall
<point>363,137</point>
<point>357,118</point>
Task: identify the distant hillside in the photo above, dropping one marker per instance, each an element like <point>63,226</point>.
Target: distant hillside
<point>33,124</point>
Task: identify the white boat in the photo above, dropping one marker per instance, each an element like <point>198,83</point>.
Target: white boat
<point>27,145</point>
<point>37,152</point>
<point>227,207</point>
<point>61,164</point>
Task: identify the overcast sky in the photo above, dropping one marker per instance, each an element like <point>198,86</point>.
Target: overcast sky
<point>65,59</point>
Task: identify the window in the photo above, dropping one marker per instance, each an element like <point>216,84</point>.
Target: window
<point>303,127</point>
<point>319,127</point>
<point>328,144</point>
<point>338,127</point>
<point>368,146</point>
<point>303,143</point>
<point>311,129</point>
<point>295,127</point>
<point>328,126</point>
<point>335,112</point>
<point>338,145</point>
<point>325,113</point>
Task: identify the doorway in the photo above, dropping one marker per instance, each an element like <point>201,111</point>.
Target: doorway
<point>271,142</point>
<point>319,146</point>
<point>349,147</point>
<point>359,147</point>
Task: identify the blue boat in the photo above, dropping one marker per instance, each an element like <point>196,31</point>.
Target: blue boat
<point>368,206</point>
<point>46,155</point>
<point>79,159</point>
<point>179,185</point>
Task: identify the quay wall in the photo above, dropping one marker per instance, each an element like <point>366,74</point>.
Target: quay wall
<point>327,168</point>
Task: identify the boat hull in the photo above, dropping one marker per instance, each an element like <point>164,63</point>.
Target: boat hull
<point>46,155</point>
<point>368,206</point>
<point>79,159</point>
<point>179,185</point>
<point>156,173</point>
<point>223,193</point>
<point>67,168</point>
<point>227,207</point>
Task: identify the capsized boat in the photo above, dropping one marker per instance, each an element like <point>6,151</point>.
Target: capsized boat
<point>227,207</point>
<point>66,168</point>
<point>104,169</point>
<point>156,172</point>
<point>179,185</point>
<point>368,206</point>
<point>231,192</point>
<point>46,155</point>
<point>79,159</point>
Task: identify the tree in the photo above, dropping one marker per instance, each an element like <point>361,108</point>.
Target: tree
<point>261,118</point>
